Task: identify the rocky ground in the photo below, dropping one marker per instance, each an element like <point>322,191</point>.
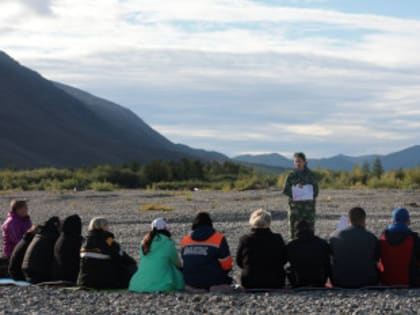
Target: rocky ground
<point>230,211</point>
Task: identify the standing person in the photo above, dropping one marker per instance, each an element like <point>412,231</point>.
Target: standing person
<point>400,252</point>
<point>16,225</point>
<point>302,206</point>
<point>309,258</point>
<point>355,253</point>
<point>206,256</point>
<point>38,259</point>
<point>67,250</point>
<point>103,264</point>
<point>261,254</point>
<point>159,268</point>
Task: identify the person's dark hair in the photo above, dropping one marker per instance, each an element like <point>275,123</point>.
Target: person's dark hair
<point>300,155</point>
<point>17,204</point>
<point>148,239</point>
<point>72,225</point>
<point>202,219</point>
<point>357,216</point>
<point>302,227</point>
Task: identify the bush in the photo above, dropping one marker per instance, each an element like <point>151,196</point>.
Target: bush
<point>102,186</point>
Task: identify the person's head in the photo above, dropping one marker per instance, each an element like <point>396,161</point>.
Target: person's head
<point>260,219</point>
<point>20,208</point>
<point>52,224</point>
<point>159,226</point>
<point>302,228</point>
<point>299,160</point>
<point>98,224</point>
<point>357,217</point>
<point>401,216</point>
<point>202,219</point>
<point>72,225</point>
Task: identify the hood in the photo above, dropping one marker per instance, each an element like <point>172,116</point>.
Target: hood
<point>14,216</point>
<point>396,237</point>
<point>72,225</point>
<point>101,233</point>
<point>202,233</point>
<point>305,235</point>
<point>52,225</point>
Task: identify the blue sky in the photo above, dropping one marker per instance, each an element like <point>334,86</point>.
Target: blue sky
<point>236,76</point>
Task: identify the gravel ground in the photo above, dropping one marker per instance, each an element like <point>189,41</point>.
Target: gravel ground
<point>230,212</point>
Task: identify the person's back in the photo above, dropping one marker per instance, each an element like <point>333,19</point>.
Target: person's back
<point>16,259</point>
<point>309,258</point>
<point>206,256</point>
<point>261,255</point>
<point>400,252</point>
<point>158,271</point>
<point>38,259</point>
<point>67,250</point>
<point>355,253</point>
<point>102,259</point>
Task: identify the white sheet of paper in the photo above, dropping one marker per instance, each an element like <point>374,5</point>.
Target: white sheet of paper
<point>343,224</point>
<point>303,194</point>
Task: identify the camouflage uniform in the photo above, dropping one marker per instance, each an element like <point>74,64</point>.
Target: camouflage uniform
<point>300,210</point>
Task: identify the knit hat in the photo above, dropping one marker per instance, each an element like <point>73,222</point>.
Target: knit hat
<point>260,219</point>
<point>401,215</point>
<point>159,224</point>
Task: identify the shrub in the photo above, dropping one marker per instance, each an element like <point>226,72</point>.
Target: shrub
<point>102,186</point>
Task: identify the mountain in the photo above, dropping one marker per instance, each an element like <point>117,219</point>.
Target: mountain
<point>407,158</point>
<point>44,123</point>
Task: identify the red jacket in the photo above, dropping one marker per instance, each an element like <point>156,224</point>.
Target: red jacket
<point>398,264</point>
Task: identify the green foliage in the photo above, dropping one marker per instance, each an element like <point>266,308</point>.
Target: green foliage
<point>102,186</point>
<point>358,178</point>
<point>181,175</point>
<point>377,169</point>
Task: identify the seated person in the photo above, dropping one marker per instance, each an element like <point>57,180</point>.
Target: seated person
<point>309,258</point>
<point>206,256</point>
<point>400,252</point>
<point>160,262</point>
<point>38,259</point>
<point>103,264</point>
<point>355,253</point>
<point>16,260</point>
<point>67,250</point>
<point>261,255</point>
<point>16,225</point>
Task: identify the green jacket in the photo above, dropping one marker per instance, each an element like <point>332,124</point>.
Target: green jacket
<point>157,270</point>
<point>306,177</point>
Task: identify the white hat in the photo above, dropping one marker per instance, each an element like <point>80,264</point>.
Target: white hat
<point>159,224</point>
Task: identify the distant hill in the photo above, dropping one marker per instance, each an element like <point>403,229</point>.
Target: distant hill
<point>407,158</point>
<point>50,124</point>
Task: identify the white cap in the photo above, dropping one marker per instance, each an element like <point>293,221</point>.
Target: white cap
<point>159,224</point>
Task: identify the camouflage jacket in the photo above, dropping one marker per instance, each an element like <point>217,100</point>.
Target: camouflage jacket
<point>306,177</point>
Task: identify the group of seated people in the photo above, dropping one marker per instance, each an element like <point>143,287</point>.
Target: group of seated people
<point>353,257</point>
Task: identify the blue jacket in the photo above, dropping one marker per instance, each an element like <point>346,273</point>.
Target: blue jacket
<point>206,257</point>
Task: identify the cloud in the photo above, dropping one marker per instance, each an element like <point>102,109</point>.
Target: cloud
<point>235,76</point>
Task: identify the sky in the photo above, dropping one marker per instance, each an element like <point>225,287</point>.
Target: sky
<point>237,76</point>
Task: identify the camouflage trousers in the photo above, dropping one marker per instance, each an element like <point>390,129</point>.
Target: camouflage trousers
<point>298,211</point>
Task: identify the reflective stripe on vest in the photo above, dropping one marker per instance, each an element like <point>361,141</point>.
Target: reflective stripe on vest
<point>94,255</point>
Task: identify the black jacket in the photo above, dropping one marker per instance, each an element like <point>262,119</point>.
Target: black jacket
<point>67,250</point>
<point>355,255</point>
<point>262,255</point>
<point>103,264</point>
<point>16,259</point>
<point>38,259</point>
<point>309,258</point>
